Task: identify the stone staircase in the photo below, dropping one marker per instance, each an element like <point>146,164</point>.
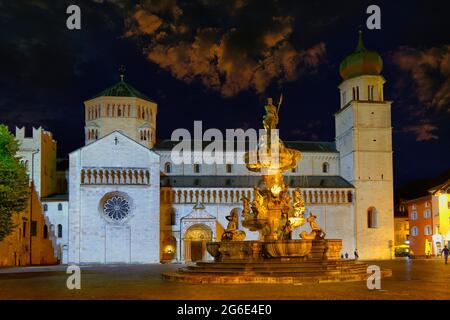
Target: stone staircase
<point>273,271</point>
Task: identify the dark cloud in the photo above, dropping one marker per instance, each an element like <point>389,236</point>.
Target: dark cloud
<point>424,131</point>
<point>425,73</point>
<point>429,70</point>
<point>229,59</point>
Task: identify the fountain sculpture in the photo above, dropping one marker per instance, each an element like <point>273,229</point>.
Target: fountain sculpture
<point>275,257</point>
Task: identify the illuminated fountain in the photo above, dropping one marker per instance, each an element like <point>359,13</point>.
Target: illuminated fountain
<point>275,257</point>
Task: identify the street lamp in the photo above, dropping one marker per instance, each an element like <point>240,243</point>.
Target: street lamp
<point>31,199</point>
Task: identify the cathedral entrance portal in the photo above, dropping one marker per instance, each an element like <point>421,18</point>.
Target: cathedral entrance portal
<point>195,242</point>
<point>196,251</point>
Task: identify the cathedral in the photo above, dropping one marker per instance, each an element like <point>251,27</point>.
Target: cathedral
<point>128,202</point>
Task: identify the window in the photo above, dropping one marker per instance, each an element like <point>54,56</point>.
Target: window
<point>33,228</point>
<point>325,167</point>
<point>45,207</point>
<point>229,168</point>
<point>372,218</point>
<point>45,232</point>
<point>355,93</point>
<point>24,229</point>
<point>117,208</point>
<point>60,231</point>
<point>196,168</point>
<point>370,91</point>
<point>414,215</point>
<point>167,167</point>
<point>414,231</point>
<point>426,214</point>
<point>414,206</point>
<point>173,217</point>
<point>59,207</point>
<point>427,230</point>
<point>427,204</point>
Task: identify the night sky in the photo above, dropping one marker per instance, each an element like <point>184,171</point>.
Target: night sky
<point>217,61</point>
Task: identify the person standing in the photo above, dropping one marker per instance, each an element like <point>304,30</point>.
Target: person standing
<point>445,252</point>
<point>356,254</point>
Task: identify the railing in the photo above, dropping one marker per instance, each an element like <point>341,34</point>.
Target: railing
<point>234,196</point>
<point>128,176</point>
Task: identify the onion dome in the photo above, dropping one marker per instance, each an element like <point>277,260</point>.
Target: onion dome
<point>361,62</point>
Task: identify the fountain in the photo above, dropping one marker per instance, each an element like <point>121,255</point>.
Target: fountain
<point>275,257</point>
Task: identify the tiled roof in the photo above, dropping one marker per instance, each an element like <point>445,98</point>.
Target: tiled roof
<point>303,146</point>
<point>122,89</point>
<point>250,181</point>
<point>56,197</point>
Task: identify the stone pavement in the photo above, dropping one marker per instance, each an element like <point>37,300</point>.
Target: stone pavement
<point>412,279</point>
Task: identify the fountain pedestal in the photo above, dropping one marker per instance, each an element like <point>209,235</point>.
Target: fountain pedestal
<point>247,251</point>
<point>235,250</point>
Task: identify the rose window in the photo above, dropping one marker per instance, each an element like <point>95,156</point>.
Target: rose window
<point>116,208</point>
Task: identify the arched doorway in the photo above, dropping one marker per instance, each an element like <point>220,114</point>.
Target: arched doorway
<point>195,240</point>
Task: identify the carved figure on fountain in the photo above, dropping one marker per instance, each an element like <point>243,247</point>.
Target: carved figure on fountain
<point>232,233</point>
<point>316,232</point>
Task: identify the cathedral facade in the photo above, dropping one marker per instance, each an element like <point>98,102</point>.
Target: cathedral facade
<point>130,203</point>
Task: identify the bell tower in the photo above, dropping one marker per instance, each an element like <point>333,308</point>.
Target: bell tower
<point>122,108</point>
<point>364,141</point>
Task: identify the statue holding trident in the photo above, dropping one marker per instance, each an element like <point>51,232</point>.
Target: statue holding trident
<point>270,120</point>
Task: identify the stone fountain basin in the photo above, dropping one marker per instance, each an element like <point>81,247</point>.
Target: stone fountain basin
<point>288,248</point>
<point>235,250</point>
<point>255,224</point>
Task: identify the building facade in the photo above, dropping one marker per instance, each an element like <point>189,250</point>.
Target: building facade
<point>32,241</point>
<point>441,215</point>
<point>401,229</point>
<point>113,202</point>
<point>129,202</point>
<point>421,226</point>
<point>56,210</point>
<point>364,142</point>
<point>429,219</point>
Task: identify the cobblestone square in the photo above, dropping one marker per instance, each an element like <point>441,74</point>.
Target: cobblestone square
<point>411,279</point>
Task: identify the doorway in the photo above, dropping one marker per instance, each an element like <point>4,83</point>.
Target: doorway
<point>196,251</point>
<point>195,240</point>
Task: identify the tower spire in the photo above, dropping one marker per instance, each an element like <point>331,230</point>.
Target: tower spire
<point>360,45</point>
<point>122,72</point>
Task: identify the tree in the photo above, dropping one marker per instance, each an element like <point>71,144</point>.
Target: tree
<point>14,189</point>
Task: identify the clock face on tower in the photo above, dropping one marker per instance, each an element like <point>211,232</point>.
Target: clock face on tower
<point>116,208</point>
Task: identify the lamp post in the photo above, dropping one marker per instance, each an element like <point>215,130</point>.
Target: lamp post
<point>31,200</point>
